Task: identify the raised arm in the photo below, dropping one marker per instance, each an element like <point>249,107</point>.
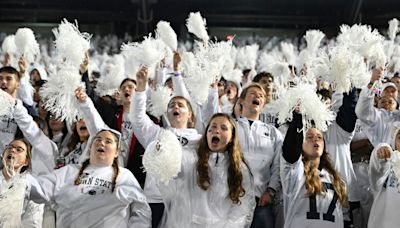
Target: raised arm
<point>379,166</point>
<point>346,117</point>
<point>43,147</point>
<point>143,127</point>
<point>293,142</point>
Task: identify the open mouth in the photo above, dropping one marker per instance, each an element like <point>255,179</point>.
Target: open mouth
<point>229,92</point>
<point>127,95</point>
<point>175,113</point>
<point>215,140</point>
<point>316,146</point>
<point>10,157</point>
<point>256,102</point>
<point>83,128</point>
<point>100,150</point>
<point>3,88</point>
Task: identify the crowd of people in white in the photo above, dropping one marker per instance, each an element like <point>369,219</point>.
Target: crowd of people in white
<point>200,134</point>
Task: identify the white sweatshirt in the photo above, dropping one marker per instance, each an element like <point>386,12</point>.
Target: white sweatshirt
<point>386,188</point>
<point>377,122</point>
<point>261,144</point>
<point>186,204</point>
<point>91,203</point>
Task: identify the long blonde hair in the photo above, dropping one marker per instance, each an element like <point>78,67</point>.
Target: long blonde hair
<point>313,182</point>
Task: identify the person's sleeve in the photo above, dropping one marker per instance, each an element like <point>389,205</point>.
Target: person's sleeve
<point>379,169</point>
<point>211,105</point>
<point>92,118</point>
<point>346,117</point>
<point>275,181</point>
<point>365,109</point>
<point>144,128</point>
<point>25,90</point>
<point>293,142</point>
<point>41,189</point>
<point>131,192</point>
<point>44,148</point>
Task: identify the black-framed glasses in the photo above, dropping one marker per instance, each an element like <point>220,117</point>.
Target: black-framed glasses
<point>17,148</point>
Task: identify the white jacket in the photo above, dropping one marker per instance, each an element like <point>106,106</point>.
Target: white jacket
<point>187,205</point>
<point>261,144</point>
<point>377,122</point>
<point>146,131</point>
<point>91,203</point>
<point>385,186</point>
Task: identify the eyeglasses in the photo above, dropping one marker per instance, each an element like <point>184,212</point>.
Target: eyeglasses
<point>17,148</point>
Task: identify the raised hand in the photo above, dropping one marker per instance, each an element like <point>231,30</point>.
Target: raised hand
<point>384,153</point>
<point>177,61</point>
<point>81,95</point>
<point>22,65</point>
<point>84,65</point>
<point>141,79</point>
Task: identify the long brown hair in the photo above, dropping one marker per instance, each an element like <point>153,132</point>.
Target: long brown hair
<point>313,182</point>
<point>235,176</point>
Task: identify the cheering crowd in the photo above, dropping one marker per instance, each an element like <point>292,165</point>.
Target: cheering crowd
<point>216,136</point>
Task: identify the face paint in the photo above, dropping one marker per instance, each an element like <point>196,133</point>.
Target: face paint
<point>181,110</point>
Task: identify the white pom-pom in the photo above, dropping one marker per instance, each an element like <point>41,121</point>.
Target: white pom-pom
<point>344,68</point>
<point>234,76</point>
<point>197,25</point>
<point>59,95</point>
<point>304,98</point>
<point>246,57</point>
<point>167,34</point>
<point>313,39</point>
<point>70,43</point>
<point>163,157</point>
<point>109,83</point>
<point>364,40</point>
<point>288,53</point>
<point>393,28</point>
<point>12,198</point>
<point>26,44</point>
<point>6,104</point>
<point>159,100</point>
<point>147,53</point>
<point>8,45</point>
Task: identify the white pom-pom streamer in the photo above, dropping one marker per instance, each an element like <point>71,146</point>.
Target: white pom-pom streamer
<point>71,45</point>
<point>6,104</point>
<point>109,83</point>
<point>196,24</point>
<point>288,53</point>
<point>246,57</point>
<point>26,44</point>
<point>163,157</point>
<point>59,95</point>
<point>167,34</point>
<point>12,198</point>
<point>304,98</point>
<point>147,53</point>
<point>8,45</point>
<point>159,100</point>
<point>313,39</point>
<point>393,28</point>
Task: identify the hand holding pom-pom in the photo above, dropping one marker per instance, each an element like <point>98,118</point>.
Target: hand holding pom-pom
<point>80,95</point>
<point>163,157</point>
